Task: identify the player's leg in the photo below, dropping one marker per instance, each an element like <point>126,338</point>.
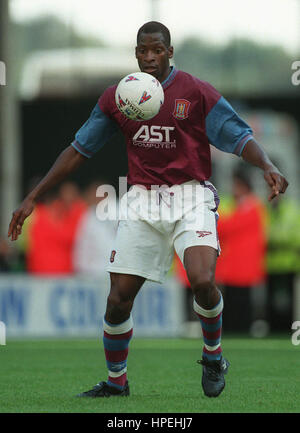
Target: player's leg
<point>118,326</point>
<point>140,252</point>
<point>200,264</point>
<point>123,290</point>
<point>196,243</point>
<point>117,333</point>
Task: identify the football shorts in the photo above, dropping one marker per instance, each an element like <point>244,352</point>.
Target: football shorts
<point>153,223</point>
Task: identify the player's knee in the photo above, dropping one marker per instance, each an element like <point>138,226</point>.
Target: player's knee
<point>119,306</point>
<point>202,282</point>
<point>204,289</point>
<point>121,297</point>
<point>119,300</point>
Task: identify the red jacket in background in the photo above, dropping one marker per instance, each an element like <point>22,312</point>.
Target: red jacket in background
<point>51,236</point>
<point>242,237</point>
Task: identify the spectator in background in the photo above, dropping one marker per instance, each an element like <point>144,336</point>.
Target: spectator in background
<point>283,260</point>
<point>93,242</point>
<point>52,230</point>
<point>241,265</point>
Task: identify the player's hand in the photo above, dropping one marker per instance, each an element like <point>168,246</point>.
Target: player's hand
<point>276,182</point>
<point>18,218</point>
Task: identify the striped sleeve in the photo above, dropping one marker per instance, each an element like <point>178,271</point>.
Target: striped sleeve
<point>225,129</point>
<point>94,133</point>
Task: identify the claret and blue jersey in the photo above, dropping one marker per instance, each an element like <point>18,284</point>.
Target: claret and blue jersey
<point>173,147</point>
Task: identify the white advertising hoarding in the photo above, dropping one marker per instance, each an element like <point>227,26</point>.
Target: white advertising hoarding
<point>55,307</point>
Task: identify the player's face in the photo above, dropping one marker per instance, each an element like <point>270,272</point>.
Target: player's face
<point>153,55</point>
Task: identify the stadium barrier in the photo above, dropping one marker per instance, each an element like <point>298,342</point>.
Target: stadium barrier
<point>65,307</point>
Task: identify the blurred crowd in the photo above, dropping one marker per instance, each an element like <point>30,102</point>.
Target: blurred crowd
<point>62,236</point>
<point>260,247</point>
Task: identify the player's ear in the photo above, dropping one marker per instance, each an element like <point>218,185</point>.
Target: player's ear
<point>135,52</point>
<point>170,52</point>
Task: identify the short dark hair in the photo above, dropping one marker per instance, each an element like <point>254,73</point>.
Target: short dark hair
<point>155,27</point>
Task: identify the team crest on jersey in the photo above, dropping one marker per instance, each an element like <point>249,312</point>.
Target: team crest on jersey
<point>181,110</point>
<point>131,78</point>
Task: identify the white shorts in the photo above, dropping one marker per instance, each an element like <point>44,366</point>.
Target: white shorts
<point>155,222</point>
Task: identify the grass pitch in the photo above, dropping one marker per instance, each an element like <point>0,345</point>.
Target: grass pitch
<point>44,376</point>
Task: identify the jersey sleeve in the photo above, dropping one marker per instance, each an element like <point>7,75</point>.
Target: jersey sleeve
<point>225,129</point>
<point>94,133</point>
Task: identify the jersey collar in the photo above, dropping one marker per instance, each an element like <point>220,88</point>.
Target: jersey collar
<point>169,78</point>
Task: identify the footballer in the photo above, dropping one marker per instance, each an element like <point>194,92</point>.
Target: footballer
<point>171,151</point>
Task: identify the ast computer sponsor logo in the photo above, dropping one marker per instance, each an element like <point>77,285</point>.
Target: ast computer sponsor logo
<point>155,137</point>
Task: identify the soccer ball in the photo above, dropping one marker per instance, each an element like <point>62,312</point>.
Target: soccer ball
<point>139,96</point>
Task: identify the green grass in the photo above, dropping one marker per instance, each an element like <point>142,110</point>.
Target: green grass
<point>44,376</point>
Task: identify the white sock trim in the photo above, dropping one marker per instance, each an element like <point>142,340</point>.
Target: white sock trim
<point>209,313</point>
<point>120,328</point>
<point>212,348</point>
<point>117,373</point>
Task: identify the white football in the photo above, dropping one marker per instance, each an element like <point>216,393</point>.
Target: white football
<point>139,96</point>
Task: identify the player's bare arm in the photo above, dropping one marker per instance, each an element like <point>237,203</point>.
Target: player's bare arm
<point>255,155</point>
<point>67,162</point>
